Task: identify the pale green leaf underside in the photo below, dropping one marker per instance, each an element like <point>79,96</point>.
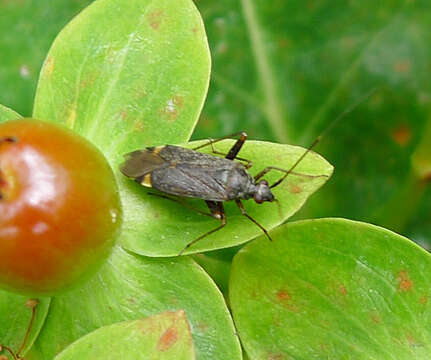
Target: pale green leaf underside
<point>164,336</point>
<point>127,74</point>
<point>333,288</point>
<point>155,226</point>
<point>130,287</point>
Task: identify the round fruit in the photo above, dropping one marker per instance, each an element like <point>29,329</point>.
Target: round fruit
<point>59,207</point>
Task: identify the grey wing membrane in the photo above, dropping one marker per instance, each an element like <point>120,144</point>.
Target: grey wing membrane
<point>190,180</point>
<point>141,162</point>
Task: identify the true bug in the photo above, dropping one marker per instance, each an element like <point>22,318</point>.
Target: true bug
<point>186,172</point>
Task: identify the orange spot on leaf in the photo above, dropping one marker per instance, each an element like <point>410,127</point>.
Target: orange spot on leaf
<point>402,135</point>
<point>375,318</point>
<point>283,295</point>
<point>168,339</point>
<point>342,290</point>
<point>404,281</point>
<point>155,18</point>
<point>202,327</point>
<point>284,298</point>
<point>402,66</point>
<point>295,189</point>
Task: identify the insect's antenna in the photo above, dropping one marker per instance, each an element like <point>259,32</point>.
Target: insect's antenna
<point>322,134</point>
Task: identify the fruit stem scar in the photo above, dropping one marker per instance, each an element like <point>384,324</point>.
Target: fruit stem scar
<point>10,139</point>
<point>5,139</point>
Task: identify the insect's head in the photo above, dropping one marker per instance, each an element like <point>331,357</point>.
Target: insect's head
<point>263,192</point>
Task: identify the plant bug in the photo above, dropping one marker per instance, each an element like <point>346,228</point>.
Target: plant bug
<point>188,173</point>
<point>183,172</point>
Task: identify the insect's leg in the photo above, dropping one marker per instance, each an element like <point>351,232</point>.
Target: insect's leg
<point>233,152</point>
<point>181,202</point>
<point>217,211</point>
<point>212,141</point>
<point>287,172</point>
<point>244,212</point>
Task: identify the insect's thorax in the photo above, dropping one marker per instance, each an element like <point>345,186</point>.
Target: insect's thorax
<point>239,183</point>
<point>192,174</point>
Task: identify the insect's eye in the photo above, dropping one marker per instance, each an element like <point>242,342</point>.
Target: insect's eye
<point>258,198</point>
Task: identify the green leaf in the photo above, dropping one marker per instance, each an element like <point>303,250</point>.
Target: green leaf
<point>155,226</point>
<point>127,74</point>
<point>130,287</point>
<point>283,70</point>
<point>7,114</point>
<point>27,29</point>
<point>165,336</point>
<point>333,289</point>
<point>15,317</point>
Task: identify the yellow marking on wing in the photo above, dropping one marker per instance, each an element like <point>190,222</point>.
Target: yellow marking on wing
<point>157,149</point>
<point>146,181</point>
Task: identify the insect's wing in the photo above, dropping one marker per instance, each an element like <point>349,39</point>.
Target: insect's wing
<point>141,162</point>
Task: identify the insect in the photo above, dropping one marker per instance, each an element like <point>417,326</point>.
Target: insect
<point>183,172</point>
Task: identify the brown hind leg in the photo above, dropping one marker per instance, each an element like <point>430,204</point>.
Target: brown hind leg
<point>217,212</point>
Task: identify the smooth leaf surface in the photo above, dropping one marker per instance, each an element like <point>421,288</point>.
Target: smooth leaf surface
<point>155,226</point>
<point>333,288</point>
<point>127,74</point>
<point>164,336</point>
<point>130,287</point>
<point>27,29</point>
<point>283,70</point>
<point>15,317</point>
<point>7,114</point>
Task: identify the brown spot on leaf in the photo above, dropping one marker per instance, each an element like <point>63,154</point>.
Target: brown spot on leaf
<point>402,135</point>
<point>404,281</point>
<point>283,295</point>
<point>178,100</point>
<point>202,327</point>
<point>123,114</point>
<point>402,66</point>
<point>155,18</point>
<point>412,341</point>
<point>342,289</point>
<point>295,189</point>
<point>423,300</point>
<point>375,318</point>
<point>284,298</point>
<point>168,339</point>
<point>131,300</point>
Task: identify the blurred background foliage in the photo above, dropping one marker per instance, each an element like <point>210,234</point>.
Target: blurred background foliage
<point>282,71</point>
